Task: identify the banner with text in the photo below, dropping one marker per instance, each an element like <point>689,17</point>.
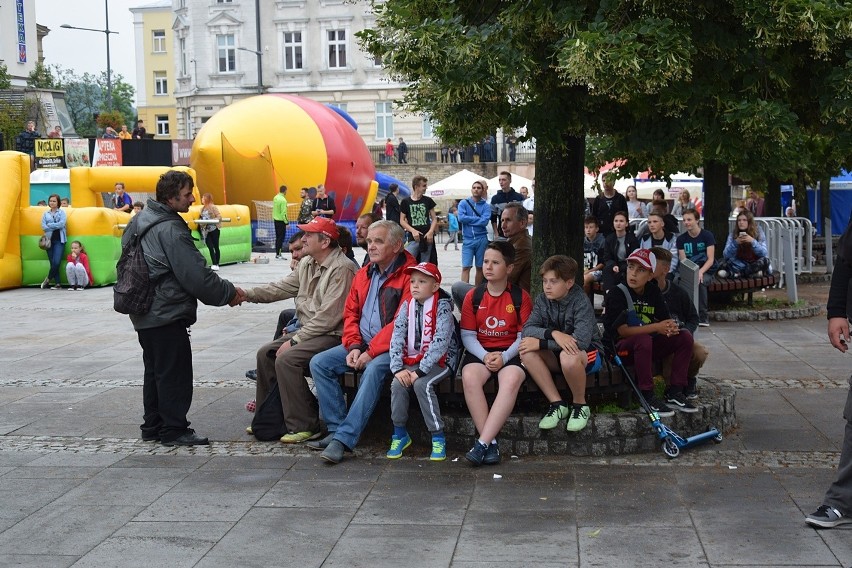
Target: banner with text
<point>76,152</point>
<point>49,153</point>
<point>107,152</point>
<point>181,149</point>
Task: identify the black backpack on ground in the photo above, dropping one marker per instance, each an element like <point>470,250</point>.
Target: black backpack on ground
<point>268,421</point>
<point>133,292</point>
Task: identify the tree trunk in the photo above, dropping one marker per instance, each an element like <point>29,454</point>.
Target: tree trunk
<point>800,194</point>
<point>559,203</point>
<point>772,199</point>
<point>717,202</point>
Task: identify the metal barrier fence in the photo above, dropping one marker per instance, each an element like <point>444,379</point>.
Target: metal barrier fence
<point>797,233</point>
<point>431,154</point>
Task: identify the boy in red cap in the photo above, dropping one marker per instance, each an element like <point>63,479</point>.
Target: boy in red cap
<point>637,320</point>
<point>422,332</point>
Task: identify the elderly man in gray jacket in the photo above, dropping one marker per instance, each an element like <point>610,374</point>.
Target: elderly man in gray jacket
<point>182,278</point>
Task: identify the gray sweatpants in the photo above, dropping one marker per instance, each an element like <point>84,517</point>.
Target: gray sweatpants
<point>424,388</point>
<point>839,495</point>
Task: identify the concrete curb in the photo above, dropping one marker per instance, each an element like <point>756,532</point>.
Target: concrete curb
<point>763,315</point>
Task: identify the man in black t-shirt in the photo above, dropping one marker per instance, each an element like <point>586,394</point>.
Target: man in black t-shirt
<point>418,217</point>
<point>323,205</point>
<point>507,194</point>
<point>606,206</point>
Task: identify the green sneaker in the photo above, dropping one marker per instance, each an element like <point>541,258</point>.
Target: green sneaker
<point>579,417</point>
<point>398,445</point>
<point>299,437</point>
<point>439,449</point>
<point>555,413</point>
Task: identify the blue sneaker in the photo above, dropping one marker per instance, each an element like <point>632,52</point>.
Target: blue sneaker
<point>476,455</point>
<point>398,445</point>
<point>492,455</point>
<point>439,449</point>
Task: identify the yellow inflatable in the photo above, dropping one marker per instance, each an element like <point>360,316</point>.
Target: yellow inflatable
<point>250,148</point>
<point>98,228</point>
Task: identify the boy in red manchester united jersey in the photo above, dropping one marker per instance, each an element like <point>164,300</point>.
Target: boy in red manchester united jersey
<point>491,333</point>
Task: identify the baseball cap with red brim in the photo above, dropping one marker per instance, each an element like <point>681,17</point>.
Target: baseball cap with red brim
<point>321,225</point>
<point>426,268</point>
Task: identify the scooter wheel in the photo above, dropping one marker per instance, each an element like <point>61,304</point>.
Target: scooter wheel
<point>670,448</point>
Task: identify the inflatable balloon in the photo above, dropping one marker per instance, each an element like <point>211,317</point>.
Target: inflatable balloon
<point>250,148</point>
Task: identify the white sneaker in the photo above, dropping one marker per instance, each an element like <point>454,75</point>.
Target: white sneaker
<point>215,268</point>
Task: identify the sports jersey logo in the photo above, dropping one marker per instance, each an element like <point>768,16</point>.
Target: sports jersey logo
<point>510,308</point>
<point>492,322</point>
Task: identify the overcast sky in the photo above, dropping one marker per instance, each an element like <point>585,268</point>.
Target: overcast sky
<point>85,52</point>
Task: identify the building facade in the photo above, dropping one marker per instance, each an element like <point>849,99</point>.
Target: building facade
<point>224,50</point>
<point>155,69</point>
<point>19,39</point>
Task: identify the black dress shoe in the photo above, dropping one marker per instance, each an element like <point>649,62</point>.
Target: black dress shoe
<point>150,436</point>
<point>252,374</point>
<point>188,438</point>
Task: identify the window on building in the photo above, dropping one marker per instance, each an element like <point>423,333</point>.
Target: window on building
<point>384,120</point>
<point>377,61</point>
<point>159,45</point>
<point>227,53</point>
<point>336,49</point>
<point>182,56</point>
<point>161,83</point>
<point>428,127</point>
<point>224,1</point>
<point>292,51</point>
<point>162,125</point>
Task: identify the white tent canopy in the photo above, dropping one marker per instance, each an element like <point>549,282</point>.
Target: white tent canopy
<point>518,181</point>
<point>457,186</point>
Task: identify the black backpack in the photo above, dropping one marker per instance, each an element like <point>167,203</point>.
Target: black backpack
<point>515,291</point>
<point>268,421</point>
<point>133,292</point>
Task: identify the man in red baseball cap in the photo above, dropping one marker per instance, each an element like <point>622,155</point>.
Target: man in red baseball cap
<point>320,285</point>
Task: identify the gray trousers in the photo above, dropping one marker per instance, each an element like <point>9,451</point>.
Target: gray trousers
<point>839,495</point>
<point>459,290</point>
<point>424,388</point>
<point>289,369</point>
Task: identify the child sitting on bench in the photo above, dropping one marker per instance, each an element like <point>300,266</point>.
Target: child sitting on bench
<point>561,336</point>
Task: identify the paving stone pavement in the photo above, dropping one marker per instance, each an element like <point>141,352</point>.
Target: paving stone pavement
<point>78,487</point>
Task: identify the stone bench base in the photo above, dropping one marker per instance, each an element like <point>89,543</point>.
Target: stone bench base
<point>605,435</point>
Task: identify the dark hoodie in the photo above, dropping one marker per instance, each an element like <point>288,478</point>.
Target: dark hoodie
<point>572,314</point>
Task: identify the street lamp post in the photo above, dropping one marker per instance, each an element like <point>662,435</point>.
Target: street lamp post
<point>259,67</point>
<point>106,31</point>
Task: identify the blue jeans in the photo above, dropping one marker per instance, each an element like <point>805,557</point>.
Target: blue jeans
<point>326,368</point>
<point>54,256</point>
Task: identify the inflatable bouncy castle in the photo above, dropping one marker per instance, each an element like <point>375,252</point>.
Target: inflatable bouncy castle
<point>99,229</point>
<point>250,148</point>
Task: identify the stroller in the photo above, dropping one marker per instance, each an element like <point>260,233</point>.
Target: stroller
<point>672,442</point>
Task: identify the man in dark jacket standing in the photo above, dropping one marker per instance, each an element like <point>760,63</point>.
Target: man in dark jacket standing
<point>392,203</point>
<point>182,278</point>
<point>606,205</point>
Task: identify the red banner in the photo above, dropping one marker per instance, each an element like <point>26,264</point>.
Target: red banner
<point>107,152</point>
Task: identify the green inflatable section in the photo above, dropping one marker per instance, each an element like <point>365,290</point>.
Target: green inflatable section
<point>234,244</point>
<point>103,252</point>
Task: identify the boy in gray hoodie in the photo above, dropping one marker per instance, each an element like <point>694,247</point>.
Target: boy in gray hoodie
<point>560,335</point>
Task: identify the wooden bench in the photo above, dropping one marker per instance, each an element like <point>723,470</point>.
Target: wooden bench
<point>741,285</point>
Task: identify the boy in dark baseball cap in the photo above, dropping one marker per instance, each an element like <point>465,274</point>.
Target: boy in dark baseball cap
<point>638,322</point>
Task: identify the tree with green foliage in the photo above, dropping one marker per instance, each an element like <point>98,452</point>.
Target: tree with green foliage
<point>5,77</point>
<point>41,77</point>
<point>670,85</point>
<point>85,98</point>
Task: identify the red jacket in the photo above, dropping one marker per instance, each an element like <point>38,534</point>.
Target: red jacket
<point>395,290</point>
<point>84,260</point>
